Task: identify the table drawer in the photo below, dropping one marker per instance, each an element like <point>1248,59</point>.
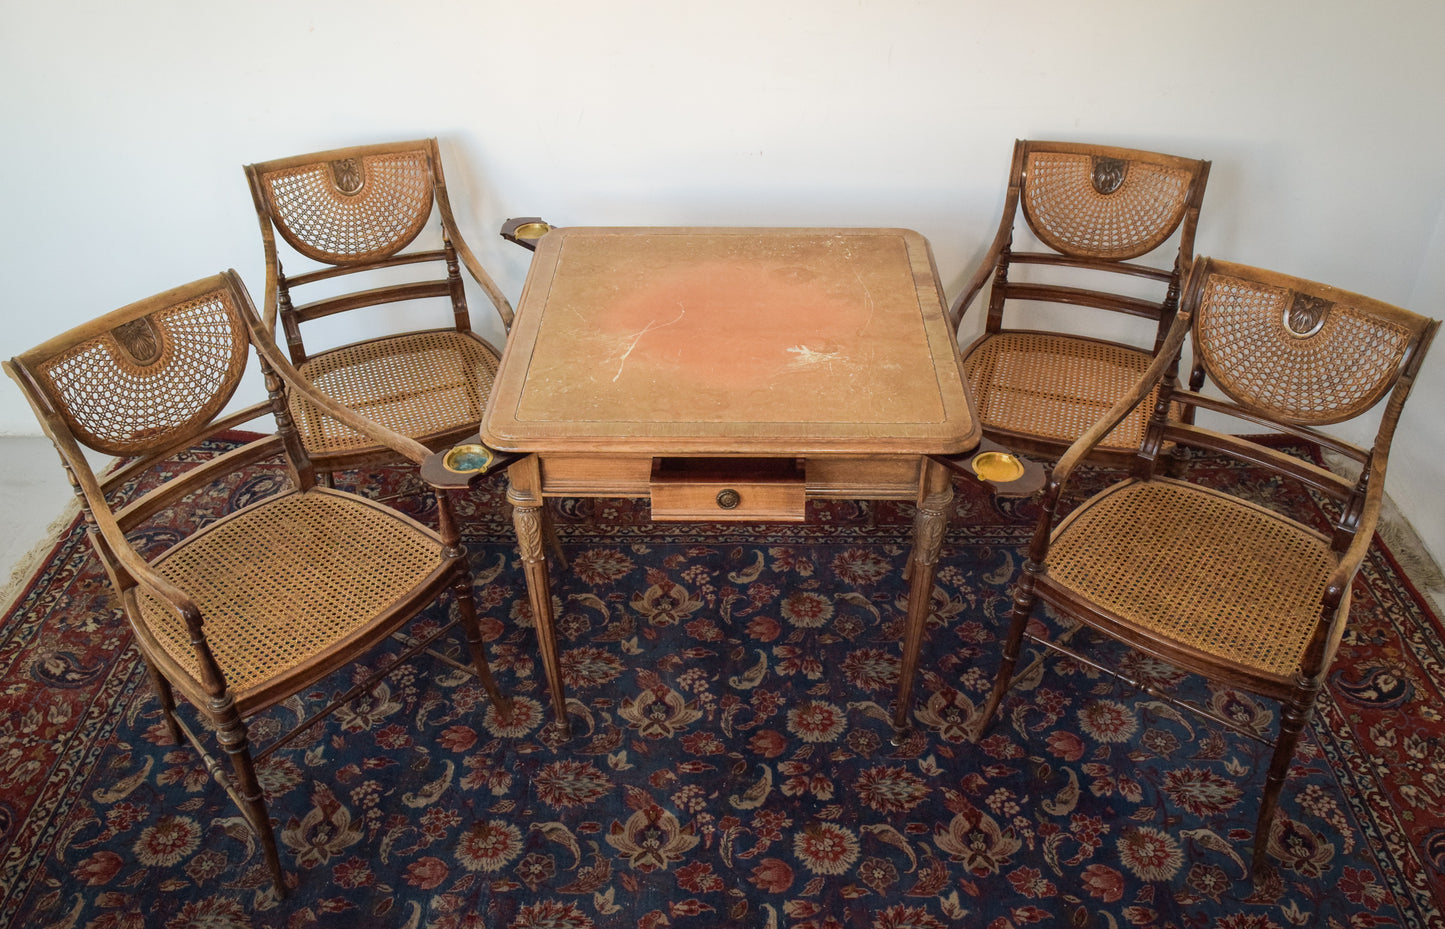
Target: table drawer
<point>728,489</point>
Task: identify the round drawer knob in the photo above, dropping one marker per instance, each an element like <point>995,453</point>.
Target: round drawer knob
<point>729,499</point>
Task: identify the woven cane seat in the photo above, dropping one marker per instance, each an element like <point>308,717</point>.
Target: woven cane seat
<point>421,384</point>
<point>1054,386</point>
<point>288,581</point>
<point>1206,570</point>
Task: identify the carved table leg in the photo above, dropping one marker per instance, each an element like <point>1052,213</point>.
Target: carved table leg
<point>524,493</point>
<point>935,494</point>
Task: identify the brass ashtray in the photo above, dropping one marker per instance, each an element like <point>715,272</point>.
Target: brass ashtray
<point>468,459</point>
<point>532,230</point>
<point>997,467</point>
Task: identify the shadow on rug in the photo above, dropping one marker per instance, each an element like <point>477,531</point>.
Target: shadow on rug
<point>731,763</point>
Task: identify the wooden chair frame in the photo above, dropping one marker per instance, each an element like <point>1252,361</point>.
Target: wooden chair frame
<point>1096,209</point>
<point>1379,357</point>
<point>356,210</point>
<point>145,406</point>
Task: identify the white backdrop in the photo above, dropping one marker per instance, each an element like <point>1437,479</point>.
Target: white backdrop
<point>127,125</point>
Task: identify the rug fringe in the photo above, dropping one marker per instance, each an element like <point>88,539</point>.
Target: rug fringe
<point>29,564</point>
<point>1410,553</point>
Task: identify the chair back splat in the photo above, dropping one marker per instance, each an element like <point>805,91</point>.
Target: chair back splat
<point>1248,592</point>
<point>1094,210</point>
<point>358,211</point>
<point>260,603</point>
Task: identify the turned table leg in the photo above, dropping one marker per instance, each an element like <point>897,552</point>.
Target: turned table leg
<point>935,494</point>
<point>524,493</point>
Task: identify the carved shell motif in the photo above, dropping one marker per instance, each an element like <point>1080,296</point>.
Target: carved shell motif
<point>140,340</point>
<point>347,175</point>
<point>1305,315</point>
<point>1109,173</point>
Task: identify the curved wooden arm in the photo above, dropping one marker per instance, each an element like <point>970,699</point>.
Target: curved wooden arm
<point>990,259</point>
<point>1333,620</point>
<point>473,266</point>
<point>1364,532</point>
<point>135,567</point>
<point>483,279</point>
<point>1364,536</point>
<point>1085,443</point>
<point>272,358</point>
<point>1063,470</point>
<point>268,248</point>
<point>94,498</point>
<point>110,531</point>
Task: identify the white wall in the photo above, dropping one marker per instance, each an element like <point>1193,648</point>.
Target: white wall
<point>127,125</point>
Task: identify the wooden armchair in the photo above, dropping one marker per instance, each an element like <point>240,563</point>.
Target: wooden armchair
<point>355,211</point>
<point>1239,592</point>
<point>1095,209</point>
<point>270,599</point>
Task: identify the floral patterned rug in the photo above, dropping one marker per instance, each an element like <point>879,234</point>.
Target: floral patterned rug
<point>731,763</point>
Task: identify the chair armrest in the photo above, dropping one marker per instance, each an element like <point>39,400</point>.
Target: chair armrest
<point>1084,444</point>
<point>1364,536</point>
<point>1325,642</point>
<point>1064,468</point>
<point>990,259</point>
<point>473,266</point>
<point>484,280</point>
<point>1374,488</point>
<point>270,306</point>
<point>105,523</point>
<point>273,362</point>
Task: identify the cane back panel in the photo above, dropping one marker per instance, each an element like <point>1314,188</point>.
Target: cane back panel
<point>1102,206</point>
<point>149,376</point>
<point>1313,356</point>
<point>355,209</point>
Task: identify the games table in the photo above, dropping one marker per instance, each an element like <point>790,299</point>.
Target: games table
<point>731,375</point>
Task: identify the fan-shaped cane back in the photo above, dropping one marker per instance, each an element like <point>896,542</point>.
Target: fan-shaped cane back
<point>266,601</point>
<point>1097,209</point>
<point>357,210</point>
<point>1239,590</point>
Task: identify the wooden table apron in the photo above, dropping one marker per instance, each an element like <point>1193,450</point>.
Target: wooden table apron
<point>688,364</point>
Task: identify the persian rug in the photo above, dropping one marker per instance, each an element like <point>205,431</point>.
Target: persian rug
<point>732,765</point>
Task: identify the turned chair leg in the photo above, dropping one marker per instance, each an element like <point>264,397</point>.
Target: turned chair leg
<point>467,614</point>
<point>167,698</point>
<point>1294,714</point>
<point>1023,608</point>
<point>231,732</point>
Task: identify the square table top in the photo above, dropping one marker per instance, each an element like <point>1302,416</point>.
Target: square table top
<point>731,341</point>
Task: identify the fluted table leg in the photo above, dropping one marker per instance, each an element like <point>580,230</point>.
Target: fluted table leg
<point>935,495</point>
